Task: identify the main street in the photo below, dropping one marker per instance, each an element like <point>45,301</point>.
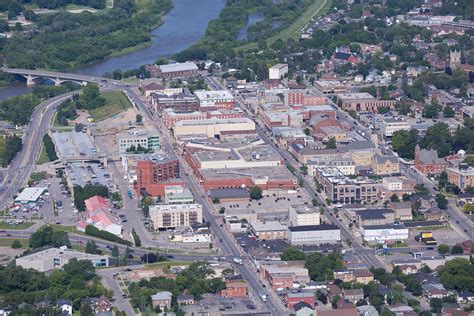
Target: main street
<point>227,244</point>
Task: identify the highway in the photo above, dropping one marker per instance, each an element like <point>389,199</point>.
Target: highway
<point>17,173</point>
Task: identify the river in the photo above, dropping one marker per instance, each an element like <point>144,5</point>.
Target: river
<point>183,26</point>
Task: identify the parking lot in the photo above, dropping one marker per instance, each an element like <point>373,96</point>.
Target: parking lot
<point>88,173</point>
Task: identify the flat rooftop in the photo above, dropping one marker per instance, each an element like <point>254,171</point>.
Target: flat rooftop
<point>304,209</point>
<point>178,67</point>
<point>174,207</point>
<point>312,228</point>
<point>355,96</point>
<point>53,253</point>
<point>74,144</point>
<point>270,173</point>
<point>268,226</point>
<point>30,194</point>
<point>216,94</point>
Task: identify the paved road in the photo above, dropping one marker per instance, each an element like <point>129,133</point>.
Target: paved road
<point>17,173</point>
<point>228,245</point>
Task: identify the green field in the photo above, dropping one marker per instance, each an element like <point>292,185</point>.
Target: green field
<point>319,7</point>
<point>21,226</point>
<point>115,102</point>
<point>43,156</point>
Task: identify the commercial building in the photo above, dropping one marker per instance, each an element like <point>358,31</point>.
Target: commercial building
<point>362,102</point>
<point>229,195</point>
<point>269,230</point>
<point>375,217</point>
<point>98,214</point>
<point>330,86</point>
<point>30,195</point>
<point>174,215</point>
<point>136,138</point>
<point>153,85</point>
<point>56,258</point>
<point>342,190</point>
<point>177,102</point>
<point>278,71</point>
<point>384,165</point>
<point>154,172</point>
<point>294,297</point>
<point>214,127</point>
<point>384,233</point>
<point>177,70</point>
<point>284,274</point>
<point>314,234</point>
<point>345,165</point>
<point>178,195</point>
<point>236,287</point>
<point>215,100</point>
<point>170,116</point>
<point>303,98</point>
<point>388,126</point>
<point>303,215</point>
<point>462,176</point>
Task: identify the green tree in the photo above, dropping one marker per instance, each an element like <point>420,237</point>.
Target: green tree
<point>292,253</point>
<point>16,244</point>
<point>139,118</point>
<point>47,236</point>
<point>443,179</point>
<point>436,305</point>
<point>442,201</point>
<point>404,142</point>
<point>443,249</point>
<point>456,250</point>
<point>86,310</point>
<point>448,111</point>
<point>307,131</point>
<point>394,198</point>
<point>92,248</point>
<point>331,143</point>
<point>256,193</point>
<point>115,251</point>
<point>469,160</point>
<point>431,110</point>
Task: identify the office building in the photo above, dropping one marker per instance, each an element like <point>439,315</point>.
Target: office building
<point>462,176</point>
<point>153,172</point>
<point>175,215</point>
<point>362,102</point>
<point>136,139</point>
<point>303,215</point>
<point>269,230</point>
<point>177,102</point>
<point>215,100</point>
<point>384,233</point>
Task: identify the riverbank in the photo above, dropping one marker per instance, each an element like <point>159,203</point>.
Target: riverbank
<point>318,8</point>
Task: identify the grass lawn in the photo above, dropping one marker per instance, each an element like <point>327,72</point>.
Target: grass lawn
<point>43,156</point>
<point>7,242</point>
<point>115,102</point>
<point>164,264</point>
<point>319,7</point>
<point>4,225</point>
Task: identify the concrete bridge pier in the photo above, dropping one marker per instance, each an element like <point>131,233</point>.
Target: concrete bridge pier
<point>30,80</point>
<point>57,81</point>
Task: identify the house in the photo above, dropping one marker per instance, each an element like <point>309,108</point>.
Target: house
<point>367,310</point>
<point>98,304</point>
<point>344,58</point>
<point>236,287</point>
<point>434,290</point>
<point>428,161</point>
<point>344,275</point>
<point>185,300</point>
<point>337,312</point>
<point>294,297</point>
<point>384,165</point>
<point>65,306</point>
<point>353,295</point>
<point>162,300</point>
<point>402,310</point>
<point>363,276</point>
<point>456,312</point>
<point>466,297</point>
<point>408,269</point>
<point>7,310</point>
<point>303,309</point>
<point>333,290</point>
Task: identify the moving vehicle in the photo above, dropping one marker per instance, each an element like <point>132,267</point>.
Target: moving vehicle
<point>263,296</point>
<point>238,260</point>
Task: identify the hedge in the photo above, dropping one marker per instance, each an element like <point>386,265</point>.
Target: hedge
<point>94,231</point>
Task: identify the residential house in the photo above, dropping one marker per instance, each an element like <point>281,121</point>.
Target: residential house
<point>185,299</point>
<point>98,304</point>
<point>353,295</point>
<point>98,214</point>
<point>162,300</point>
<point>303,309</point>
<point>344,275</point>
<point>337,312</point>
<point>466,246</point>
<point>363,276</point>
<point>466,297</point>
<point>402,310</point>
<point>402,210</point>
<point>65,306</point>
<point>434,290</point>
<point>367,310</point>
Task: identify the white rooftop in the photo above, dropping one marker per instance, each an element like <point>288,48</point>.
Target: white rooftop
<point>178,67</point>
<point>216,94</point>
<point>30,195</point>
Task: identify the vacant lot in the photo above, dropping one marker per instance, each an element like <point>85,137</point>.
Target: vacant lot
<point>115,102</point>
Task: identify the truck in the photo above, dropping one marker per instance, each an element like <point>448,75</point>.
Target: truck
<point>238,260</point>
<point>130,195</point>
<point>263,296</point>
<point>427,238</point>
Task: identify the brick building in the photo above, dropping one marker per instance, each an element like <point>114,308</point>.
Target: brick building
<point>362,102</point>
<point>428,161</point>
<point>236,287</point>
<point>154,175</point>
<point>177,102</point>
